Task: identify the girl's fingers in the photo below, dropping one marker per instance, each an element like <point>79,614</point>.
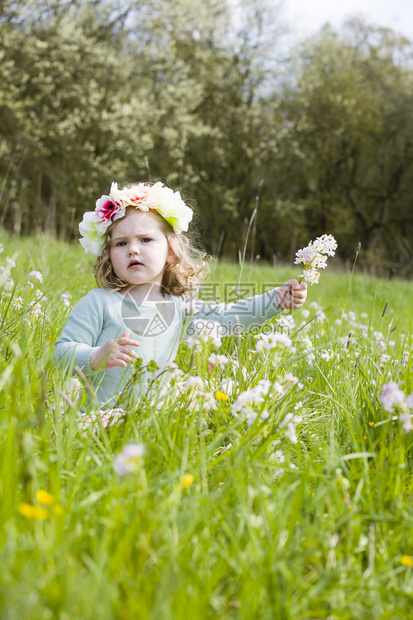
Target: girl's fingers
<point>122,361</point>
<point>123,340</point>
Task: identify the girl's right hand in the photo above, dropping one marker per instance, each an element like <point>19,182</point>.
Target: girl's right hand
<point>114,353</point>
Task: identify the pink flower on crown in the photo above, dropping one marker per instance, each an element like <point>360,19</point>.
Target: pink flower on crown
<point>118,196</point>
<point>140,196</point>
<point>105,209</point>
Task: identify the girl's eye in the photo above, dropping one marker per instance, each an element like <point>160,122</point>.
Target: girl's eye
<point>146,240</point>
<point>121,243</point>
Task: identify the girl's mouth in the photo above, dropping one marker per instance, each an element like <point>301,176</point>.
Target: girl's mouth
<point>134,263</point>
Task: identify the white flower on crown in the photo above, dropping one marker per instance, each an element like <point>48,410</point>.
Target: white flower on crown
<point>171,206</point>
<point>92,238</point>
<point>168,203</point>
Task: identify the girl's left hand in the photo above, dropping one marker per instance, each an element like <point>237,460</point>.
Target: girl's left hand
<point>291,295</point>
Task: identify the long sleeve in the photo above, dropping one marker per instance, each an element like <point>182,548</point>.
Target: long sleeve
<point>105,315</point>
<point>79,338</point>
<point>233,318</point>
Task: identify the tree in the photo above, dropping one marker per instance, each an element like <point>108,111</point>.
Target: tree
<point>350,140</point>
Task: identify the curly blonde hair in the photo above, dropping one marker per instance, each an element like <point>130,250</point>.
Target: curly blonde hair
<point>179,277</point>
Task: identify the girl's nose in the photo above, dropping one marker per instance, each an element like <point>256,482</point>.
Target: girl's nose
<point>133,249</point>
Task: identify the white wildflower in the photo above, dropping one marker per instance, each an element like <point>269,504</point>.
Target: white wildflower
<point>310,275</point>
<point>308,345</point>
<point>174,371</point>
<point>384,359</point>
<point>218,360</point>
<point>407,421</point>
<point>292,433</point>
<point>193,382</point>
<point>290,378</point>
<point>209,402</point>
<point>40,296</point>
<point>286,321</point>
<point>228,386</point>
<point>36,275</point>
<point>327,354</point>
<point>17,303</point>
<point>326,244</point>
<point>192,343</point>
<point>36,310</point>
<point>290,421</point>
<point>65,299</point>
<point>246,403</point>
<point>310,358</point>
<point>392,397</point>
<point>128,460</point>
<point>268,342</point>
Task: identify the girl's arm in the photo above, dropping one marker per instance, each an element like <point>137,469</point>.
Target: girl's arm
<point>248,313</point>
<point>78,340</point>
<point>77,346</point>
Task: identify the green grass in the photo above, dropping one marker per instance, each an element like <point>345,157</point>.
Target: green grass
<point>268,528</point>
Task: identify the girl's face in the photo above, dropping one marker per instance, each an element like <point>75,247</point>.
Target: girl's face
<point>139,249</point>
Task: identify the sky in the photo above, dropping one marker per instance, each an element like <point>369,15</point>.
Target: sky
<point>308,16</point>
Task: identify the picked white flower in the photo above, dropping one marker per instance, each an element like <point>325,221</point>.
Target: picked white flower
<point>314,257</point>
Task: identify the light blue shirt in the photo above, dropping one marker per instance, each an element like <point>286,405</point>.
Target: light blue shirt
<point>159,327</point>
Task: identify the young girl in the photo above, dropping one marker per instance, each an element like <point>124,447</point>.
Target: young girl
<point>144,268</point>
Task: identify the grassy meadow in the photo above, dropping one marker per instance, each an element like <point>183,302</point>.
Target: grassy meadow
<point>297,506</point>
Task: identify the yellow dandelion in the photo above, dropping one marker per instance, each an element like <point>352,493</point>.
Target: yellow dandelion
<point>406,560</point>
<point>45,498</point>
<point>187,480</point>
<point>372,424</point>
<point>26,510</point>
<point>221,396</point>
<point>33,512</point>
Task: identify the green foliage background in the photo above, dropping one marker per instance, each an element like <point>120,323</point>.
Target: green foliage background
<point>204,97</point>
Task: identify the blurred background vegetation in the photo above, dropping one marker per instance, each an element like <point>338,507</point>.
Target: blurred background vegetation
<point>205,97</point>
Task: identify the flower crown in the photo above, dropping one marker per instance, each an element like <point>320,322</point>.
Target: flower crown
<point>168,203</point>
